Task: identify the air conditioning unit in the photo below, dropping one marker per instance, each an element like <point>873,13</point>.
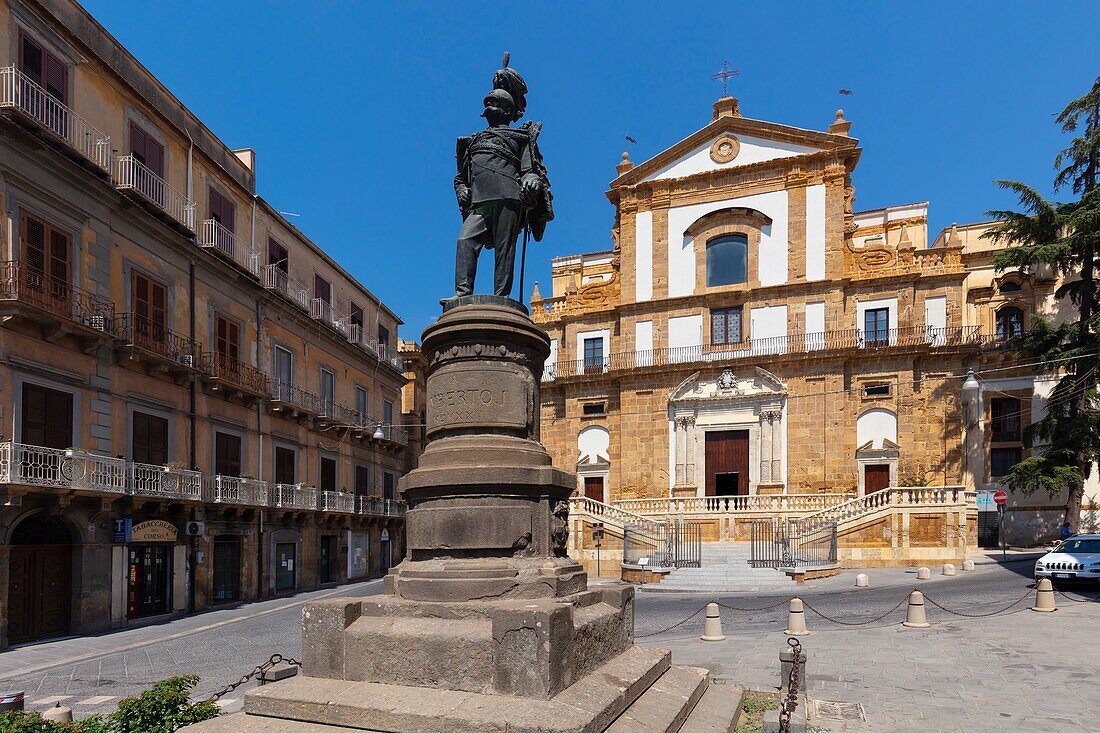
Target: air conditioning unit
<point>195,529</point>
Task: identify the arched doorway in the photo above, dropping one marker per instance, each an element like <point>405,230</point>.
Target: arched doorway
<point>39,574</point>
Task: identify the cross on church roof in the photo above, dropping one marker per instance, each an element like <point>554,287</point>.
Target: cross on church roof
<point>724,76</point>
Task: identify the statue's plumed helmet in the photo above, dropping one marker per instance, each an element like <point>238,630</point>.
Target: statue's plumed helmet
<point>510,82</point>
<point>502,100</point>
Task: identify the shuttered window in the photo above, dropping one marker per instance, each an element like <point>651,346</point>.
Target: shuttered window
<point>44,69</point>
<point>47,417</point>
<point>149,300</point>
<point>227,454</point>
<point>223,211</point>
<point>322,289</point>
<point>278,256</point>
<point>362,480</point>
<point>149,442</point>
<point>228,338</point>
<point>284,465</point>
<point>45,247</point>
<point>328,474</point>
<point>146,150</point>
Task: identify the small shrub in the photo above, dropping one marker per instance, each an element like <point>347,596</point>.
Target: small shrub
<point>756,705</point>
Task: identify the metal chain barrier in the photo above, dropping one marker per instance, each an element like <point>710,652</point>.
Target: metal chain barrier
<point>761,608</point>
<point>1018,601</point>
<point>275,659</point>
<point>1071,599</point>
<point>793,680</point>
<point>670,628</point>
<point>856,623</point>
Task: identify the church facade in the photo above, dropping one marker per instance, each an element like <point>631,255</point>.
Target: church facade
<point>752,333</point>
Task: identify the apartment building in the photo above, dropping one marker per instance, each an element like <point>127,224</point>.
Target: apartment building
<point>198,406</point>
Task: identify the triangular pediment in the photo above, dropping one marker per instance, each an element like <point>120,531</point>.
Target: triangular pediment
<point>754,142</point>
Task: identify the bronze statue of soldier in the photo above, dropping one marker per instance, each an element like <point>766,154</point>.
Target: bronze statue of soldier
<point>501,186</point>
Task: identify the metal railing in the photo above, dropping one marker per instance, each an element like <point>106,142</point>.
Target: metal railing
<point>785,543</point>
<point>226,368</point>
<point>235,490</point>
<point>149,335</point>
<point>34,465</point>
<point>164,481</point>
<point>19,91</point>
<point>672,544</point>
<point>324,311</point>
<point>25,284</point>
<point>795,342</point>
<point>335,501</point>
<point>276,279</point>
<point>294,496</point>
<point>132,175</point>
<point>217,237</point>
<point>293,395</point>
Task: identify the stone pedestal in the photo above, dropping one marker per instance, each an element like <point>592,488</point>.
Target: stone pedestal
<point>487,625</point>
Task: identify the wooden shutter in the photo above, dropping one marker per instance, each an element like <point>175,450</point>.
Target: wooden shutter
<point>34,242</point>
<point>150,439</point>
<point>55,77</point>
<point>149,301</point>
<point>223,211</point>
<point>30,58</point>
<point>322,289</point>
<point>278,256</point>
<point>328,474</point>
<point>227,454</point>
<point>147,150</point>
<point>362,480</point>
<point>47,417</point>
<point>356,314</point>
<point>59,255</point>
<point>228,338</point>
<point>284,465</point>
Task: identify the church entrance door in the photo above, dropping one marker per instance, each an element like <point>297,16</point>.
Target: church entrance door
<point>727,462</point>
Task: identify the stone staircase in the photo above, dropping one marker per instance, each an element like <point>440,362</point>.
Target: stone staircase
<point>725,569</point>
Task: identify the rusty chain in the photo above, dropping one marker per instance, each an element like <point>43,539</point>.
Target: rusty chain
<point>761,608</point>
<point>1016,602</point>
<point>260,669</point>
<point>670,628</point>
<point>793,681</point>
<point>1071,599</point>
<point>856,623</point>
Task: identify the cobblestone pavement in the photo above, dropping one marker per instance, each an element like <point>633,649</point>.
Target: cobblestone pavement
<point>91,674</point>
<point>1013,671</point>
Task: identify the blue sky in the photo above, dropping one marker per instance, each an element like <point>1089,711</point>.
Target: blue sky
<point>353,107</point>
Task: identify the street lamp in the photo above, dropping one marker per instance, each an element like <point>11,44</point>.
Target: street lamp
<point>378,434</point>
<point>971,386</point>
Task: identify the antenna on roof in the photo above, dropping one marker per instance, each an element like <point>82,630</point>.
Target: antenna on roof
<point>289,213</point>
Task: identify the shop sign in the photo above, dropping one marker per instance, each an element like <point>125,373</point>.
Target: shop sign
<point>121,530</point>
<point>154,530</point>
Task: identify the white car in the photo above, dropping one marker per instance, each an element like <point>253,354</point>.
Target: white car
<point>1077,558</point>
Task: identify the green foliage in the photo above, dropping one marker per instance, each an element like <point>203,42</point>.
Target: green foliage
<point>756,705</point>
<point>1063,238</point>
<point>164,708</point>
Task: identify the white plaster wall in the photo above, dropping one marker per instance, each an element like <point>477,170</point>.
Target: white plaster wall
<point>592,444</point>
<point>771,263</point>
<point>643,255</point>
<point>685,331</point>
<point>815,232</point>
<point>876,425</point>
<point>753,150</point>
<point>643,343</point>
<point>935,311</point>
<point>551,361</point>
<point>767,323</point>
<point>815,325</point>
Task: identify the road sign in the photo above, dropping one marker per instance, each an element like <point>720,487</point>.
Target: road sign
<point>1000,498</point>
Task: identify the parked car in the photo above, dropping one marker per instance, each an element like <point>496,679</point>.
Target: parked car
<point>1077,558</point>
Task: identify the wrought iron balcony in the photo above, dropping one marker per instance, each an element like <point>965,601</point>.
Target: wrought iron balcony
<point>324,311</point>
<point>49,298</point>
<point>795,343</point>
<point>235,490</point>
<point>164,482</point>
<point>379,507</point>
<point>217,237</point>
<point>278,280</point>
<point>334,501</point>
<point>18,91</point>
<point>156,340</point>
<point>234,373</point>
<point>294,496</point>
<point>288,396</point>
<point>34,465</point>
<point>132,175</point>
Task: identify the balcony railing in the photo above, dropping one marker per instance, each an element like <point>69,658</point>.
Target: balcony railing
<point>392,433</point>
<point>294,496</point>
<point>334,501</point>
<point>380,507</point>
<point>25,284</point>
<point>217,237</point>
<point>19,91</point>
<point>794,343</point>
<point>298,292</point>
<point>145,333</point>
<point>235,490</point>
<point>132,175</point>
<point>226,368</point>
<point>164,482</point>
<point>324,311</point>
<point>296,396</point>
<point>33,465</point>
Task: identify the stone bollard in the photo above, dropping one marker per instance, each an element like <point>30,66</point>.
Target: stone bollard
<point>796,619</point>
<point>58,714</point>
<point>1044,596</point>
<point>862,581</point>
<point>948,569</point>
<point>968,565</point>
<point>915,617</point>
<point>923,573</point>
<point>712,627</point>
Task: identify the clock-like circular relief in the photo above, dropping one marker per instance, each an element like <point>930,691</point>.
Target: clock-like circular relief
<point>725,149</point>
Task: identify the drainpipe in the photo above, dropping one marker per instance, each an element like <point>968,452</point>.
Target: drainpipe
<point>194,386</point>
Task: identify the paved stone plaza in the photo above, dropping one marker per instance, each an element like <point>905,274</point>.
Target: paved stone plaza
<point>1018,671</point>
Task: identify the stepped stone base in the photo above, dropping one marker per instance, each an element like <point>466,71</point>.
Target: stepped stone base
<point>636,692</point>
